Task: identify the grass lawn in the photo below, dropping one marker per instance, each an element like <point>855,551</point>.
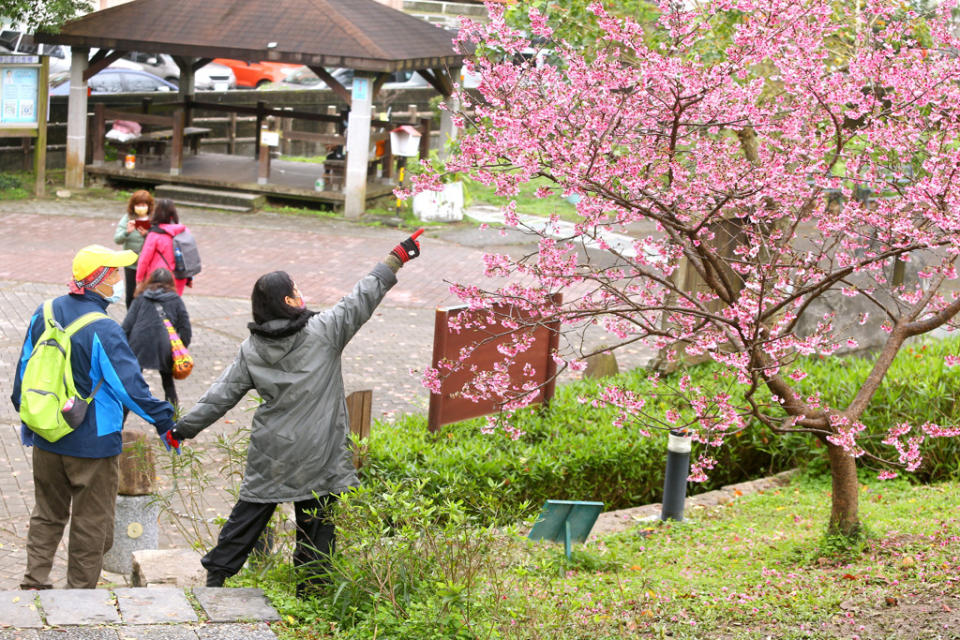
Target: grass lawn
<point>527,202</point>
<point>759,568</point>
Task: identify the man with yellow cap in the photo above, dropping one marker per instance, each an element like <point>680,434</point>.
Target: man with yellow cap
<point>80,469</point>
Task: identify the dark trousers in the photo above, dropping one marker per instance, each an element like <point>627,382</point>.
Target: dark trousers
<point>169,388</point>
<point>316,539</point>
<point>130,282</point>
<point>89,486</point>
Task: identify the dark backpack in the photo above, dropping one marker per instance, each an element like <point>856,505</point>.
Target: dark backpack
<point>186,256</point>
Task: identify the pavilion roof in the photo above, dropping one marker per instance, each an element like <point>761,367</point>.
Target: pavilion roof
<point>358,34</point>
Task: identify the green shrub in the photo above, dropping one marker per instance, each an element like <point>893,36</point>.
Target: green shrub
<point>11,187</point>
<point>569,451</point>
<point>918,388</point>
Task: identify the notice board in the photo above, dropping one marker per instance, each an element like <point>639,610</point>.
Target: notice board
<point>19,92</point>
<point>449,406</point>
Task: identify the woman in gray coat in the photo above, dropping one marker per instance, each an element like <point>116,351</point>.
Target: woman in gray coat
<point>298,448</point>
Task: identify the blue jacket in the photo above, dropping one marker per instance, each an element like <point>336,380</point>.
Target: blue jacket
<point>99,351</point>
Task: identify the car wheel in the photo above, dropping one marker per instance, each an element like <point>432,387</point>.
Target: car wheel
<point>262,82</point>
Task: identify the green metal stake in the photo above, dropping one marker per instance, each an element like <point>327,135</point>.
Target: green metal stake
<point>566,537</point>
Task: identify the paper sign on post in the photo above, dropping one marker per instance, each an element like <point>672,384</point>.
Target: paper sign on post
<point>270,138</point>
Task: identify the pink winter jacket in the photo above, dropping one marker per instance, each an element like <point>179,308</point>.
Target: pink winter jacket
<point>157,252</point>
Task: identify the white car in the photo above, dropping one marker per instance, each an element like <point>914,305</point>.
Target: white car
<point>210,77</point>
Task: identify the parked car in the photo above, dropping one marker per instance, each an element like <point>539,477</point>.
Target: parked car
<point>111,80</point>
<point>19,42</point>
<point>306,79</point>
<point>254,74</point>
<point>210,77</point>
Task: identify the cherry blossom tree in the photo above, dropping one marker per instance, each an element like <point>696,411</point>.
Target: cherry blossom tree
<point>814,152</point>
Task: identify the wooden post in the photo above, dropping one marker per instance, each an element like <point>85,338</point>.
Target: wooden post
<point>425,138</point>
<point>258,125</point>
<point>145,105</point>
<point>263,164</point>
<point>449,132</point>
<point>76,119</point>
<point>176,143</point>
<point>99,131</point>
<point>232,133</point>
<point>358,147</point>
<point>387,157</point>
<point>286,125</point>
<point>185,86</point>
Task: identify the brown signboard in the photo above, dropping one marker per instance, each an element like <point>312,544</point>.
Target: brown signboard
<point>449,405</point>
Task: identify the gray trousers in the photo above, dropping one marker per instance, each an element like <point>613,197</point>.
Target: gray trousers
<point>90,484</point>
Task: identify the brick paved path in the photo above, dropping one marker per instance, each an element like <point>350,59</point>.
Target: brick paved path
<point>324,256</point>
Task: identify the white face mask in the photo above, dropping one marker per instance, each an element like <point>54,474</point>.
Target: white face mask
<point>119,288</point>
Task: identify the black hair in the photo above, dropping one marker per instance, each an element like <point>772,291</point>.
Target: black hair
<point>160,278</point>
<point>268,296</point>
<point>164,212</point>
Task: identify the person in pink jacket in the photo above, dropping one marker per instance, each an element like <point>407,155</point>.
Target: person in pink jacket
<point>158,245</point>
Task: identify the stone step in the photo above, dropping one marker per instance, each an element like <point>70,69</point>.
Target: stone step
<point>132,606</point>
<point>238,201</point>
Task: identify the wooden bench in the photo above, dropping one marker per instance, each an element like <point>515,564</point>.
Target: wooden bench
<point>156,141</point>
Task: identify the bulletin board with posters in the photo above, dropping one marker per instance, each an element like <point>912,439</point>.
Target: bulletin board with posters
<point>449,405</point>
<point>23,105</point>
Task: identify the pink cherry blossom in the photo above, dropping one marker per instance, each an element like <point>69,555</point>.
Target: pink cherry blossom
<point>776,172</point>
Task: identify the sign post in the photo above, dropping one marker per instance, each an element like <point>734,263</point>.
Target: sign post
<point>23,106</point>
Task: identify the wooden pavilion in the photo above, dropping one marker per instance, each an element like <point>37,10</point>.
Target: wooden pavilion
<point>371,38</point>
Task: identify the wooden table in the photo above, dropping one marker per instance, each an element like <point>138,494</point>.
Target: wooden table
<point>156,141</point>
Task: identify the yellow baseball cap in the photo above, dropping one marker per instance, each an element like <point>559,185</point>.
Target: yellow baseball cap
<point>95,256</point>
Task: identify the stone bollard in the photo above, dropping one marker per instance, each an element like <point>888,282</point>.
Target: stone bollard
<point>136,522</point>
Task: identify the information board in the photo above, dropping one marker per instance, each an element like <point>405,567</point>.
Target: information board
<point>19,92</point>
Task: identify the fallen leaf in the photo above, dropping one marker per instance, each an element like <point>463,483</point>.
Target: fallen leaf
<point>848,576</point>
<point>17,599</point>
<point>890,601</point>
<point>946,608</point>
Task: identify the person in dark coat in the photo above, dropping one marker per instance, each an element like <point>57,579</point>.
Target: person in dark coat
<point>146,332</point>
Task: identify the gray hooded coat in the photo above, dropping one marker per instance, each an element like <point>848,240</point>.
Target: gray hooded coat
<point>299,437</point>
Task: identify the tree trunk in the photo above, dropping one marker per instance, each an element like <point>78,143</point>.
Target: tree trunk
<point>844,518</point>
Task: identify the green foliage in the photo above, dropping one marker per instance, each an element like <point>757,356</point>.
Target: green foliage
<point>408,567</point>
<point>309,159</point>
<point>12,187</point>
<point>411,570</point>
<point>569,450</point>
<point>46,15</point>
<point>918,388</point>
<point>572,22</point>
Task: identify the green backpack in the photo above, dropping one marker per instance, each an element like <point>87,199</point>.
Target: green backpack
<point>49,404</point>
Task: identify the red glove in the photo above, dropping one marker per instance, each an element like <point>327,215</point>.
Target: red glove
<point>169,440</point>
<point>409,248</point>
